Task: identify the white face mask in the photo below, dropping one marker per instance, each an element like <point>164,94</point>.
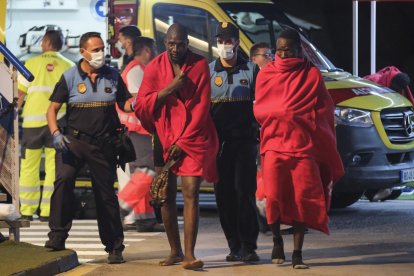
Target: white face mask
<point>118,46</point>
<point>226,51</point>
<point>98,60</point>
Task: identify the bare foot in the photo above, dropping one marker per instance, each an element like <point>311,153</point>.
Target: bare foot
<point>171,260</point>
<point>193,264</point>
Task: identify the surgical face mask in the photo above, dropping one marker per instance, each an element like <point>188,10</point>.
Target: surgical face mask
<point>97,60</point>
<point>226,51</point>
<point>118,46</point>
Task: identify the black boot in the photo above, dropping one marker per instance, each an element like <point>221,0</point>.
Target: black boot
<point>278,253</point>
<point>297,261</point>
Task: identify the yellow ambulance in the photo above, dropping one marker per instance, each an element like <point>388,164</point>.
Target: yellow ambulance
<point>375,128</point>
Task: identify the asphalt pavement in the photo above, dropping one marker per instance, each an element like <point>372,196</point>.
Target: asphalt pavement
<point>367,238</point>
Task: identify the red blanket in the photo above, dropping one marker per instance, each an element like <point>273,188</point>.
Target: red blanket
<point>296,115</point>
<point>384,77</point>
<point>186,121</point>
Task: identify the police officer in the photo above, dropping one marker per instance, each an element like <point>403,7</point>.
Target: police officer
<point>47,68</point>
<point>91,89</point>
<point>232,84</point>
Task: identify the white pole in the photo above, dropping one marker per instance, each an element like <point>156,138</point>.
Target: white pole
<point>373,36</point>
<point>355,37</point>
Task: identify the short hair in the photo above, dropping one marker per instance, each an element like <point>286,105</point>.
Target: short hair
<point>178,29</point>
<point>86,36</point>
<point>400,81</point>
<point>293,35</point>
<point>255,48</point>
<point>55,38</point>
<point>130,31</point>
<point>140,43</point>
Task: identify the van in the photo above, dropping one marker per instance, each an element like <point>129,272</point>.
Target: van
<point>374,125</point>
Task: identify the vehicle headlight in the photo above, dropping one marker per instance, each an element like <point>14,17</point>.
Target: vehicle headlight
<point>353,117</point>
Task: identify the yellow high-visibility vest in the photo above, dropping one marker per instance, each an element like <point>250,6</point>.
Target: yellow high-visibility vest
<point>47,69</point>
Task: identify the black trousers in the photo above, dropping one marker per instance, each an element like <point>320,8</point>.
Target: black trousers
<point>103,172</point>
<point>235,193</point>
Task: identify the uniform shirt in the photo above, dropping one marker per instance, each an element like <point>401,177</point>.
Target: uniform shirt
<point>91,106</point>
<point>47,69</point>
<point>232,95</point>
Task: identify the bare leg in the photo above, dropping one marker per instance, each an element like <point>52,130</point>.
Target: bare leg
<point>169,217</point>
<point>278,253</point>
<point>190,187</point>
<point>298,237</point>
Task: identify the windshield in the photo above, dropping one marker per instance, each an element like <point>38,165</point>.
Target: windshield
<point>262,22</point>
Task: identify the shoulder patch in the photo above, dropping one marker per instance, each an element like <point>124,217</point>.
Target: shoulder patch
<point>50,67</point>
<point>218,80</point>
<point>81,87</point>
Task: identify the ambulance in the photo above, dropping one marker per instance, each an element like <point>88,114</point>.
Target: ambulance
<point>374,125</point>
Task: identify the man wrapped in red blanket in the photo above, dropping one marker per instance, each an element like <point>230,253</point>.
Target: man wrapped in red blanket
<point>298,145</point>
<point>174,101</point>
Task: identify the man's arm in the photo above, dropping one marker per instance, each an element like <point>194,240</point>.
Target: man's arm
<point>52,116</point>
<point>21,96</point>
<point>177,83</point>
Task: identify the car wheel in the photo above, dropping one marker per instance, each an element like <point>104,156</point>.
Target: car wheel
<point>344,199</point>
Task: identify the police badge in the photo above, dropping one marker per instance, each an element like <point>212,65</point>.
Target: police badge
<point>218,80</point>
<point>82,88</point>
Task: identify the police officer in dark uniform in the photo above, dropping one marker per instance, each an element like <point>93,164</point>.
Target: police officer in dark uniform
<point>91,89</point>
<point>232,84</point>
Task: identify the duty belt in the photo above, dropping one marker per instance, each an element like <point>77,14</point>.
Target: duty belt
<point>83,136</point>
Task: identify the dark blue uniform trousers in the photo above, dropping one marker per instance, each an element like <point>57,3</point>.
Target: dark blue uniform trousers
<point>235,193</point>
<point>103,172</point>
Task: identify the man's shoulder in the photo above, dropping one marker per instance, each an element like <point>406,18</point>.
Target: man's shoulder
<point>212,64</point>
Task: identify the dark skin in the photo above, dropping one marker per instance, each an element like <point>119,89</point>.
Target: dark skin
<point>176,43</point>
<point>286,48</point>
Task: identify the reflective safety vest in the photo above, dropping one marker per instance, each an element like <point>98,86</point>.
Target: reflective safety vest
<point>129,119</point>
<point>47,69</point>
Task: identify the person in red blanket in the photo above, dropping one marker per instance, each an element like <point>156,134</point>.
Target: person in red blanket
<point>298,145</point>
<point>174,101</point>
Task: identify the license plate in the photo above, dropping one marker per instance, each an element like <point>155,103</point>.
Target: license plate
<point>407,175</point>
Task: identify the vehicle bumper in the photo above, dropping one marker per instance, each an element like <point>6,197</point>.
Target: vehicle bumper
<point>378,166</point>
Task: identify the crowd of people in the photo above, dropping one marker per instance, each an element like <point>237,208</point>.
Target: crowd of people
<point>207,118</point>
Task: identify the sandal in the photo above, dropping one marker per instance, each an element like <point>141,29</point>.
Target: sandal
<point>297,261</point>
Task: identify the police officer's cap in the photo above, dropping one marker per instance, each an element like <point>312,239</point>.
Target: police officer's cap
<point>227,30</point>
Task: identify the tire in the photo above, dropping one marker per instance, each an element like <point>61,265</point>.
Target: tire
<point>394,194</point>
<point>342,200</point>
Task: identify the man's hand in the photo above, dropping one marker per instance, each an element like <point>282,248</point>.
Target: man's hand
<point>174,152</point>
<point>60,141</point>
<point>178,82</point>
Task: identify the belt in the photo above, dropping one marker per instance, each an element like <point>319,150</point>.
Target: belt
<point>82,136</point>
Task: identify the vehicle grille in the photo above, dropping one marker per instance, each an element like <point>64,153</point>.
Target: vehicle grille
<point>398,124</point>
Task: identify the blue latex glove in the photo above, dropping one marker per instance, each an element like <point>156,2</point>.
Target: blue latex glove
<point>60,141</point>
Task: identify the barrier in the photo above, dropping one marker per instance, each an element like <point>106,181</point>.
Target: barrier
<point>9,137</point>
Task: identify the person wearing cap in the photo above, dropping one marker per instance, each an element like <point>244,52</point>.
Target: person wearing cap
<point>232,95</point>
